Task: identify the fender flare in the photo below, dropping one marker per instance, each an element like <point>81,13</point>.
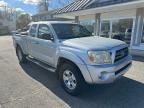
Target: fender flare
<point>78,61</point>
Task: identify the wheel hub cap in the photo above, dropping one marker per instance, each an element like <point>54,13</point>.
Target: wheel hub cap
<point>69,79</point>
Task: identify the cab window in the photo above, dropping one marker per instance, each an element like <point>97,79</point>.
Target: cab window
<point>33,30</point>
<point>43,31</point>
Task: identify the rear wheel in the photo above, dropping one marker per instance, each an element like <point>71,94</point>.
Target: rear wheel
<point>71,78</point>
<point>20,55</point>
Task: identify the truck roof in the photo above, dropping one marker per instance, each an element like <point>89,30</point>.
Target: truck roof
<point>50,22</point>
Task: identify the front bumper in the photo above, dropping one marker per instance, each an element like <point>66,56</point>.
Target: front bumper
<point>109,73</point>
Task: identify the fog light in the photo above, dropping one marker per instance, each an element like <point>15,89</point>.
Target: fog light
<point>103,76</point>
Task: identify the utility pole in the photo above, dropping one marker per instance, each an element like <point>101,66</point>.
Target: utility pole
<point>46,5</point>
<point>43,6</point>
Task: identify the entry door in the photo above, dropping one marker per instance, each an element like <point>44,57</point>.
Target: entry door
<point>46,48</point>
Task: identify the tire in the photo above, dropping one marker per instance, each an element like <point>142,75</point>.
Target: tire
<point>21,56</point>
<point>71,79</point>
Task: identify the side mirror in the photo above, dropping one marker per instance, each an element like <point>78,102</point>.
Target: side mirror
<point>47,36</point>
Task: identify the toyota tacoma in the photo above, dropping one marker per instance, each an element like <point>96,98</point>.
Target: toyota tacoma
<point>73,53</point>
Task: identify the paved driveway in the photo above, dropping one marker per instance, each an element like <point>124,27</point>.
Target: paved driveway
<point>30,86</point>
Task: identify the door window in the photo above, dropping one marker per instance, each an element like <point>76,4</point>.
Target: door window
<point>43,31</point>
<point>33,30</point>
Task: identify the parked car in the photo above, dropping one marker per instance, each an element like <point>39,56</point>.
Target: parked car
<point>70,50</point>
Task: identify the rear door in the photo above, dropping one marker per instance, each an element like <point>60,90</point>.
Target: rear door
<point>32,41</point>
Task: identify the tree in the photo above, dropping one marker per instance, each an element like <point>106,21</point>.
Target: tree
<point>23,20</point>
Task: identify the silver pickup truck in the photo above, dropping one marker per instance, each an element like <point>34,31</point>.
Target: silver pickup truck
<point>70,50</point>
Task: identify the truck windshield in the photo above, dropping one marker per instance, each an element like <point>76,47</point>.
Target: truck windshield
<point>69,31</point>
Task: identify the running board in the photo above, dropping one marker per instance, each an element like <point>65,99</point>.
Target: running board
<point>41,64</point>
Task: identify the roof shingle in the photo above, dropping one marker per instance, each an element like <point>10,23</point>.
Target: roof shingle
<point>88,4</point>
<point>75,6</point>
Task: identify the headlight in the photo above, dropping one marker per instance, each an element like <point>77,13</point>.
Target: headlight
<point>99,57</point>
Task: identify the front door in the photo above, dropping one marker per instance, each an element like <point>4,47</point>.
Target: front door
<point>46,48</point>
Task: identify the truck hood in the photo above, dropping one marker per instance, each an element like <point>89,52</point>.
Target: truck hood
<point>92,43</point>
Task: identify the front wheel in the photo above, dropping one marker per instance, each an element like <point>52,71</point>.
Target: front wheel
<point>71,79</point>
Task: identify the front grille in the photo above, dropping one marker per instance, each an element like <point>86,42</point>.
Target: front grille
<point>120,54</point>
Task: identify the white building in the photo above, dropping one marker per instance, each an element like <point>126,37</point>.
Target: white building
<point>119,19</point>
